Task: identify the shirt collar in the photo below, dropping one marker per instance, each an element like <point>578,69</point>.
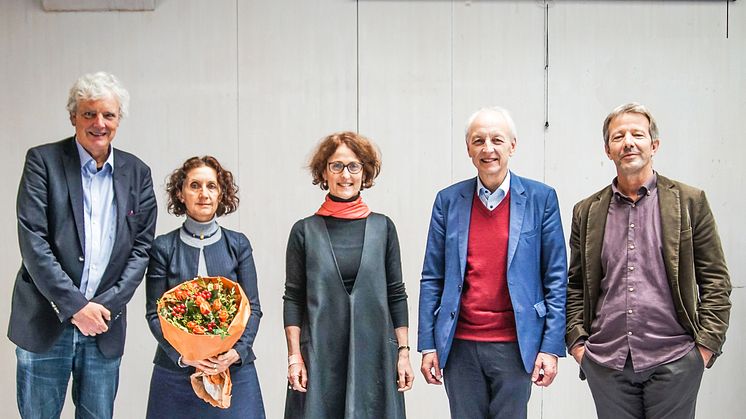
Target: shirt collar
<point>645,190</point>
<point>504,187</point>
<point>85,158</point>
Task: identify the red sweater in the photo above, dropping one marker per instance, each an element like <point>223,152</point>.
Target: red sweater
<point>486,312</point>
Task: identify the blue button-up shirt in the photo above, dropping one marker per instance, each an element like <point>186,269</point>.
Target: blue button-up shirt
<point>99,214</point>
<point>492,199</point>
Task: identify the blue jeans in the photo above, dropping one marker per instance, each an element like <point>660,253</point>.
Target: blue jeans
<point>41,378</point>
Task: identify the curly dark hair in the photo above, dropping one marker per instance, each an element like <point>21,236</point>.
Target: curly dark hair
<point>360,145</point>
<point>228,189</point>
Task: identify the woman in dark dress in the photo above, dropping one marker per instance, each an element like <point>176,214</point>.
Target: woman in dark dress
<point>345,310</point>
<point>202,190</point>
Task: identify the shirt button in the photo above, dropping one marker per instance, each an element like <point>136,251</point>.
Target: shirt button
<point>629,311</point>
<point>634,205</point>
<point>631,268</point>
<point>81,259</point>
<point>459,287</point>
<point>629,333</point>
<point>453,314</point>
<point>631,247</point>
<point>631,289</point>
<point>632,225</point>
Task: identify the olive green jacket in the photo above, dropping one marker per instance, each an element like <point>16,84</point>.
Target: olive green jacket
<point>695,264</point>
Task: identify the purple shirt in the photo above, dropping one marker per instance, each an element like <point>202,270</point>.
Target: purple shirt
<point>635,313</point>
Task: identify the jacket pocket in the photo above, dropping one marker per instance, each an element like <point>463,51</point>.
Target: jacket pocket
<point>541,308</point>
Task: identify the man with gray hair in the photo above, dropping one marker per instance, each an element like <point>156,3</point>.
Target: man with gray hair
<point>648,293</point>
<point>86,219</point>
<point>492,293</point>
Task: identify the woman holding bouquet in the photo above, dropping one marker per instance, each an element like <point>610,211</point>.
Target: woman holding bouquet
<point>202,190</point>
<point>345,310</point>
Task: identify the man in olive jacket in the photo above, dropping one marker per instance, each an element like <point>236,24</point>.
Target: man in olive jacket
<point>648,293</point>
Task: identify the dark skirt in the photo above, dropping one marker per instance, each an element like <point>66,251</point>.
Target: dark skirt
<point>172,396</point>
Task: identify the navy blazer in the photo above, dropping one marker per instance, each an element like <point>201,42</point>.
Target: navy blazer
<point>51,236</point>
<point>536,271</point>
<point>173,262</point>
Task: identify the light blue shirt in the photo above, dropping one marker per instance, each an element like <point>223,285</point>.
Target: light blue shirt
<point>99,215</point>
<point>492,199</point>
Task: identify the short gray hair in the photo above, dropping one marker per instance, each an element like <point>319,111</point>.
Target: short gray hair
<point>501,111</point>
<point>97,86</point>
<point>632,107</point>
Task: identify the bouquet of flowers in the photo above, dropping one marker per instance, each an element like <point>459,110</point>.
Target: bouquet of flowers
<point>202,318</point>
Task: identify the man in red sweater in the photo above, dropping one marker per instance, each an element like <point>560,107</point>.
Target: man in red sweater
<point>492,292</point>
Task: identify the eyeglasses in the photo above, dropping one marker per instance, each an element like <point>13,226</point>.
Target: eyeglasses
<point>353,167</point>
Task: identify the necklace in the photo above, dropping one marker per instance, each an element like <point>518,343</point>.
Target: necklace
<point>199,236</point>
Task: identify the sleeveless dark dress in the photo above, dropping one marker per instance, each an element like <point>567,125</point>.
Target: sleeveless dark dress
<point>347,339</point>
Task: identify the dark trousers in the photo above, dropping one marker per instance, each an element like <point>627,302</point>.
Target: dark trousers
<point>668,391</point>
<point>486,380</point>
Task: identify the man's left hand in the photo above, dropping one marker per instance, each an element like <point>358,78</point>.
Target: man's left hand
<point>706,354</point>
<point>545,369</point>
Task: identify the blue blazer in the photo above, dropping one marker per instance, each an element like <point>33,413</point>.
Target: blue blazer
<point>51,236</point>
<point>536,272</point>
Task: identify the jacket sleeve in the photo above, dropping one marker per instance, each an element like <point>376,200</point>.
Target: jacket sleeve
<point>712,278</point>
<point>116,297</point>
<point>554,276</point>
<point>574,306</point>
<point>34,235</point>
<point>433,277</point>
<point>247,280</point>
<point>156,283</point>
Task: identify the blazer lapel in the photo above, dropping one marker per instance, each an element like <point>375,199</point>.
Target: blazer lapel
<point>121,195</point>
<point>670,208</point>
<point>463,212</point>
<point>517,211</point>
<point>594,238</point>
<point>71,163</point>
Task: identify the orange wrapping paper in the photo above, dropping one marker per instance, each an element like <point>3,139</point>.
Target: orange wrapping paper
<point>196,347</point>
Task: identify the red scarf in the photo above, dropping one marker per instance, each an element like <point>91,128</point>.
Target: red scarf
<point>353,210</point>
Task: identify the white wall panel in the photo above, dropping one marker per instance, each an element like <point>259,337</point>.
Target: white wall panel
<point>405,108</point>
<point>498,60</point>
<point>181,74</point>
<point>297,84</point>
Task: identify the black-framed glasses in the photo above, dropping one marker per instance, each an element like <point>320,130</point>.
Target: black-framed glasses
<point>353,167</point>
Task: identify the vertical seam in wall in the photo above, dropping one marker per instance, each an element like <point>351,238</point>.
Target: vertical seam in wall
<point>238,105</point>
<point>357,66</point>
<point>450,140</point>
<point>546,89</point>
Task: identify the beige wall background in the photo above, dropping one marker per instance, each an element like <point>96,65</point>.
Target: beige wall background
<point>258,83</point>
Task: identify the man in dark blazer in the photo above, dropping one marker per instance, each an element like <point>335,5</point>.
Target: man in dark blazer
<point>492,293</point>
<point>86,219</point>
<point>648,294</point>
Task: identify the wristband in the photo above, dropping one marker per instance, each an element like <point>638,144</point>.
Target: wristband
<point>403,347</point>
